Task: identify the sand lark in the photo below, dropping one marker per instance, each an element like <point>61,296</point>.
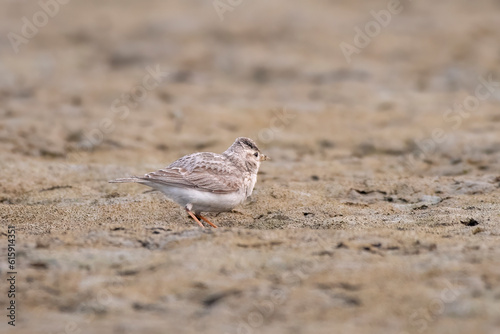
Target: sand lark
<point>208,182</point>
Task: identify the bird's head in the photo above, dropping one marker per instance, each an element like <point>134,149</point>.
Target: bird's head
<point>247,150</point>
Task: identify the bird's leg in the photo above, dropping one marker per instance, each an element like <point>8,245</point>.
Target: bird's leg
<point>194,217</point>
<point>208,221</point>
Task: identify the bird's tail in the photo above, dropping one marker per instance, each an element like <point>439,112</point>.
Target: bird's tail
<point>126,180</point>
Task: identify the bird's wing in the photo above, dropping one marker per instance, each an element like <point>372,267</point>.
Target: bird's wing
<point>202,171</point>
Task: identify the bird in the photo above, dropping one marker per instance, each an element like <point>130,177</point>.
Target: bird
<point>208,182</point>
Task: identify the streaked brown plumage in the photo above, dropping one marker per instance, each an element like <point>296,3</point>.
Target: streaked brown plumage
<point>208,182</point>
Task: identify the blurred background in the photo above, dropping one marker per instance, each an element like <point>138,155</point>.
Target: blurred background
<point>226,69</point>
<point>369,109</point>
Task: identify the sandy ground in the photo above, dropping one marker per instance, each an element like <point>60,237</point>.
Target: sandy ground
<point>378,213</point>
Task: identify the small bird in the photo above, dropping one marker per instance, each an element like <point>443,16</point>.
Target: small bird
<point>208,182</point>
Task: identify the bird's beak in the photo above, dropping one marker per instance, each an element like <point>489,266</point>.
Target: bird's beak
<point>264,157</point>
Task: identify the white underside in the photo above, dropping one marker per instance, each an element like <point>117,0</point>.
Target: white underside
<point>200,201</point>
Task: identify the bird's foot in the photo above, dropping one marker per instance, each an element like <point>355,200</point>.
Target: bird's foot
<point>208,221</point>
<point>198,217</point>
<point>194,217</point>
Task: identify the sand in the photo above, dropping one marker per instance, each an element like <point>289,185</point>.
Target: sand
<point>378,213</point>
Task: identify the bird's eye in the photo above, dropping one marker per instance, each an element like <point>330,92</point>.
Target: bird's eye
<point>256,154</point>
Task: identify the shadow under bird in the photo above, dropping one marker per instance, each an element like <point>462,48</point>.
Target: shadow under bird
<point>208,182</point>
